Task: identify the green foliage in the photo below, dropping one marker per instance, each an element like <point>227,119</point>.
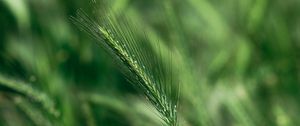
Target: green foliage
<point>170,62</point>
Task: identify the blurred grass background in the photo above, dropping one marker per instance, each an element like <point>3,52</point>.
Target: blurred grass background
<point>240,61</point>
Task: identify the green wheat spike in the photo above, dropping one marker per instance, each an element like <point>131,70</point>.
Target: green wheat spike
<point>25,89</point>
<point>142,67</point>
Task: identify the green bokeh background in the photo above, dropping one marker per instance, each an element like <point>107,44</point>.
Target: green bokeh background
<point>241,64</point>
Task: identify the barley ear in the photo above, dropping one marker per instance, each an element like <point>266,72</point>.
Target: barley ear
<point>147,71</point>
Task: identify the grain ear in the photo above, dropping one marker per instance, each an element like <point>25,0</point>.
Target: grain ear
<point>136,59</point>
<point>26,90</point>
